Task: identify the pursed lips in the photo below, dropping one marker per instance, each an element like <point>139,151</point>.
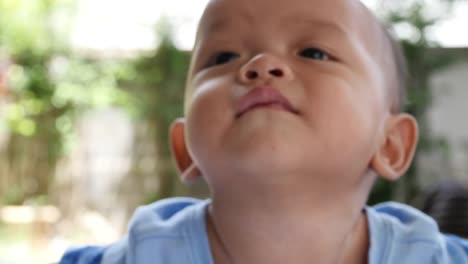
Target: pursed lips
<point>263,97</point>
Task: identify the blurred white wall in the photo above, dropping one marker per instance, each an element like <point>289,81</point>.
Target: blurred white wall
<point>448,120</point>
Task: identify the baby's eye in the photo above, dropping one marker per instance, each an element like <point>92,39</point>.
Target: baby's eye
<point>223,58</point>
<point>315,54</point>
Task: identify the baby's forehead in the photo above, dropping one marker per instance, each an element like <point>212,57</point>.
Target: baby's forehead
<point>348,16</point>
<point>343,18</point>
<point>348,13</point>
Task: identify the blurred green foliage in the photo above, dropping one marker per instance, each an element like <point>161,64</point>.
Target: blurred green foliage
<point>50,85</point>
<point>159,85</point>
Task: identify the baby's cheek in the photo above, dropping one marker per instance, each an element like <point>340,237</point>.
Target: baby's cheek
<point>347,120</point>
<point>207,117</point>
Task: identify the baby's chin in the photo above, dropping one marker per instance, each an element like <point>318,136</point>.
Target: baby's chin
<point>279,159</point>
<point>279,175</point>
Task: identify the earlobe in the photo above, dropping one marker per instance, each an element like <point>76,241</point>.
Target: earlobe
<point>396,153</point>
<point>189,172</point>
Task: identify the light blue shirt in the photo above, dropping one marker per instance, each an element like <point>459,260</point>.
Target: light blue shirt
<point>173,231</point>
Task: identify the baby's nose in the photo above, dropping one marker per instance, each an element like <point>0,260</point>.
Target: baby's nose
<point>263,67</point>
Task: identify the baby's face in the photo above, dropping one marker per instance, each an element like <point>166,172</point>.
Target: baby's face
<point>286,87</point>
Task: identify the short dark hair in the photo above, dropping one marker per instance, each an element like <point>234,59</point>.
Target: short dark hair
<point>400,69</point>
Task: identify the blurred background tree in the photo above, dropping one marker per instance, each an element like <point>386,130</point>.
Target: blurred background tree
<point>46,87</point>
<point>50,86</point>
<point>159,85</point>
<point>32,149</point>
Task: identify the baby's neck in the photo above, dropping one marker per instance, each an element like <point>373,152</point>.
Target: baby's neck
<point>255,229</point>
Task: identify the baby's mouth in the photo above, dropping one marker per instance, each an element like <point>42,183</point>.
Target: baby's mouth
<point>264,97</point>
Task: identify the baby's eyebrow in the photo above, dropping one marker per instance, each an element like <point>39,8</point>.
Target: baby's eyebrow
<point>219,24</point>
<point>316,24</point>
<point>216,26</point>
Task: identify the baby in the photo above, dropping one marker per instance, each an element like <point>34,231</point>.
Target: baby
<point>292,111</point>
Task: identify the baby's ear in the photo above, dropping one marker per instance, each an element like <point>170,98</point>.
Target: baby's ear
<point>189,172</point>
<point>395,155</point>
